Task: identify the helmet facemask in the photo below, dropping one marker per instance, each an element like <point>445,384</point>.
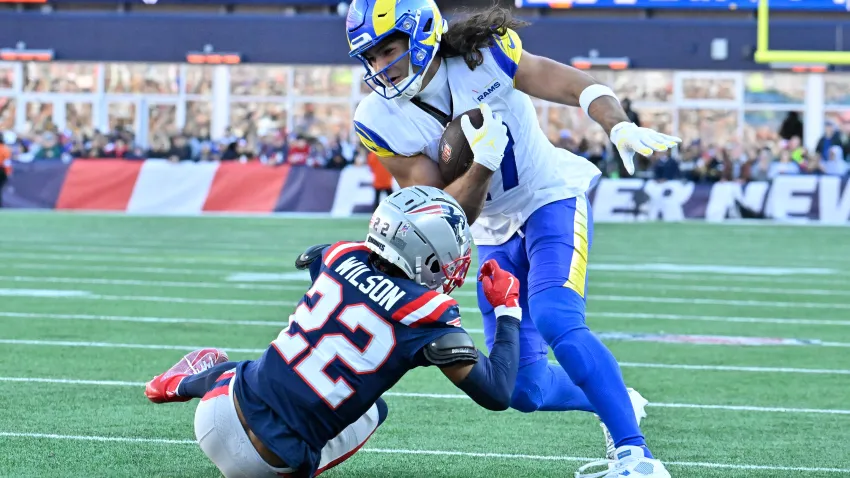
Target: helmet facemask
<point>455,272</point>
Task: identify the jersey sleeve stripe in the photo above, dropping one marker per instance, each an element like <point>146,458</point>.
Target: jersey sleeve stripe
<point>413,305</point>
<point>372,141</point>
<point>341,248</point>
<point>507,51</point>
<point>430,312</point>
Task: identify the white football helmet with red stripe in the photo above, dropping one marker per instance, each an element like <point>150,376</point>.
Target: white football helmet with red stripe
<point>424,232</point>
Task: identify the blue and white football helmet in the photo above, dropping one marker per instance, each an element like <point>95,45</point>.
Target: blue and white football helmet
<point>371,21</point>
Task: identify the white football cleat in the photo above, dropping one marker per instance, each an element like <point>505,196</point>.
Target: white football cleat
<point>639,406</point>
<point>632,462</point>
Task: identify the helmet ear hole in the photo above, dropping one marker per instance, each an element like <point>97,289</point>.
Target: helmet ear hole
<point>428,25</point>
<point>435,267</point>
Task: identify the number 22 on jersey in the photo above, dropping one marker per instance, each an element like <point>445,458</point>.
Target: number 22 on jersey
<point>326,295</point>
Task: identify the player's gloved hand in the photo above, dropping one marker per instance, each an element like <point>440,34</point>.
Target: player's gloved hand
<point>629,138</point>
<point>488,142</point>
<point>501,289</point>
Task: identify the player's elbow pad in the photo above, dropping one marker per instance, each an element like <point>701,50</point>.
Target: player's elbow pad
<point>491,381</point>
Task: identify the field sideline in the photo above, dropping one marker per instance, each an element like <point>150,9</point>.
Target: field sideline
<point>739,335</point>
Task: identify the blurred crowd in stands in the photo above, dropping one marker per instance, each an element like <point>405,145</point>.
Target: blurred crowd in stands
<point>697,159</point>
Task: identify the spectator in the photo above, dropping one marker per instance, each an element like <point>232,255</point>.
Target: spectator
<point>230,153</point>
<point>666,168</point>
<point>337,162</point>
<point>835,165</point>
<point>798,153</point>
<point>785,165</point>
<point>180,150</point>
<point>50,147</point>
<point>206,153</point>
<point>299,151</point>
<point>632,115</point>
<point>383,180</point>
<point>814,165</point>
<point>791,126</point>
<point>160,147</point>
<point>5,165</point>
<point>831,137</point>
<point>596,155</point>
<point>244,151</point>
<point>844,135</point>
<point>708,166</point>
<point>119,149</point>
<point>759,167</point>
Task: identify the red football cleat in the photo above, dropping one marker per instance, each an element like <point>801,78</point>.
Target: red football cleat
<point>163,387</point>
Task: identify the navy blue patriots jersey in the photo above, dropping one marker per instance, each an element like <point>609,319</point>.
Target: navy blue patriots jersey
<point>353,335</point>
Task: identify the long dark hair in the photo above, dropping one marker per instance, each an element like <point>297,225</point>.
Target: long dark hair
<point>468,36</point>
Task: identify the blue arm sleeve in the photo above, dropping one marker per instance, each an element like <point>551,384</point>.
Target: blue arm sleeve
<point>491,381</point>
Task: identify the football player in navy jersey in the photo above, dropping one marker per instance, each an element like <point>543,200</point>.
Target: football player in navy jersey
<point>375,310</point>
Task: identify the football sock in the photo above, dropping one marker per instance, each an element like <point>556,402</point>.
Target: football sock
<point>558,313</point>
<point>196,386</point>
<point>547,387</point>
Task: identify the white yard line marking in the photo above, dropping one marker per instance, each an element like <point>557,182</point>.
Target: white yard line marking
<point>715,269</point>
<point>68,381</point>
<point>52,293</point>
<point>123,318</point>
<point>724,289</point>
<point>275,324</point>
<point>743,303</point>
<point>251,281</point>
<point>52,436</point>
<point>86,295</point>
<point>502,456</point>
<point>452,396</point>
<point>277,264</point>
<point>612,298</point>
<point>736,368</point>
<point>600,276</point>
<point>455,396</point>
<point>120,246</point>
<point>298,276</point>
<point>113,345</point>
<point>592,315</point>
<point>710,318</point>
<point>188,348</point>
<point>11,265</point>
<point>150,283</point>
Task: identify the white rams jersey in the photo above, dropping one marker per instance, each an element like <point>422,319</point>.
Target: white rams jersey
<point>533,172</point>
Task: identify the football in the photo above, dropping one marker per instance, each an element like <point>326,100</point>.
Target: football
<point>455,154</point>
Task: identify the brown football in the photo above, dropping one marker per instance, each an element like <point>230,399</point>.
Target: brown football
<point>455,154</point>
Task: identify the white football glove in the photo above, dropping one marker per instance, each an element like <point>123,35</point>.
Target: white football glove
<point>629,138</point>
<point>488,142</point>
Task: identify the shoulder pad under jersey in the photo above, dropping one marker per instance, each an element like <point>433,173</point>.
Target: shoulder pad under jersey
<point>507,51</point>
<point>307,257</point>
<point>385,129</point>
<point>449,349</point>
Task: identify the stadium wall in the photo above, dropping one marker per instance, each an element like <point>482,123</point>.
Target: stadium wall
<point>310,39</point>
<point>157,186</point>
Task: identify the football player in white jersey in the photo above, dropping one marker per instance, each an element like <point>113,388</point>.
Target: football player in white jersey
<point>527,198</point>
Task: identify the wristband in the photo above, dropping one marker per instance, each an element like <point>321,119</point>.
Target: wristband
<point>591,93</point>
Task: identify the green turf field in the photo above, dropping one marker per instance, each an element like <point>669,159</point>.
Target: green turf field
<point>94,306</point>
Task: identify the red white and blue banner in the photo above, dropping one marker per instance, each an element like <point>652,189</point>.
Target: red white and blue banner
<point>786,5</point>
<point>161,187</point>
